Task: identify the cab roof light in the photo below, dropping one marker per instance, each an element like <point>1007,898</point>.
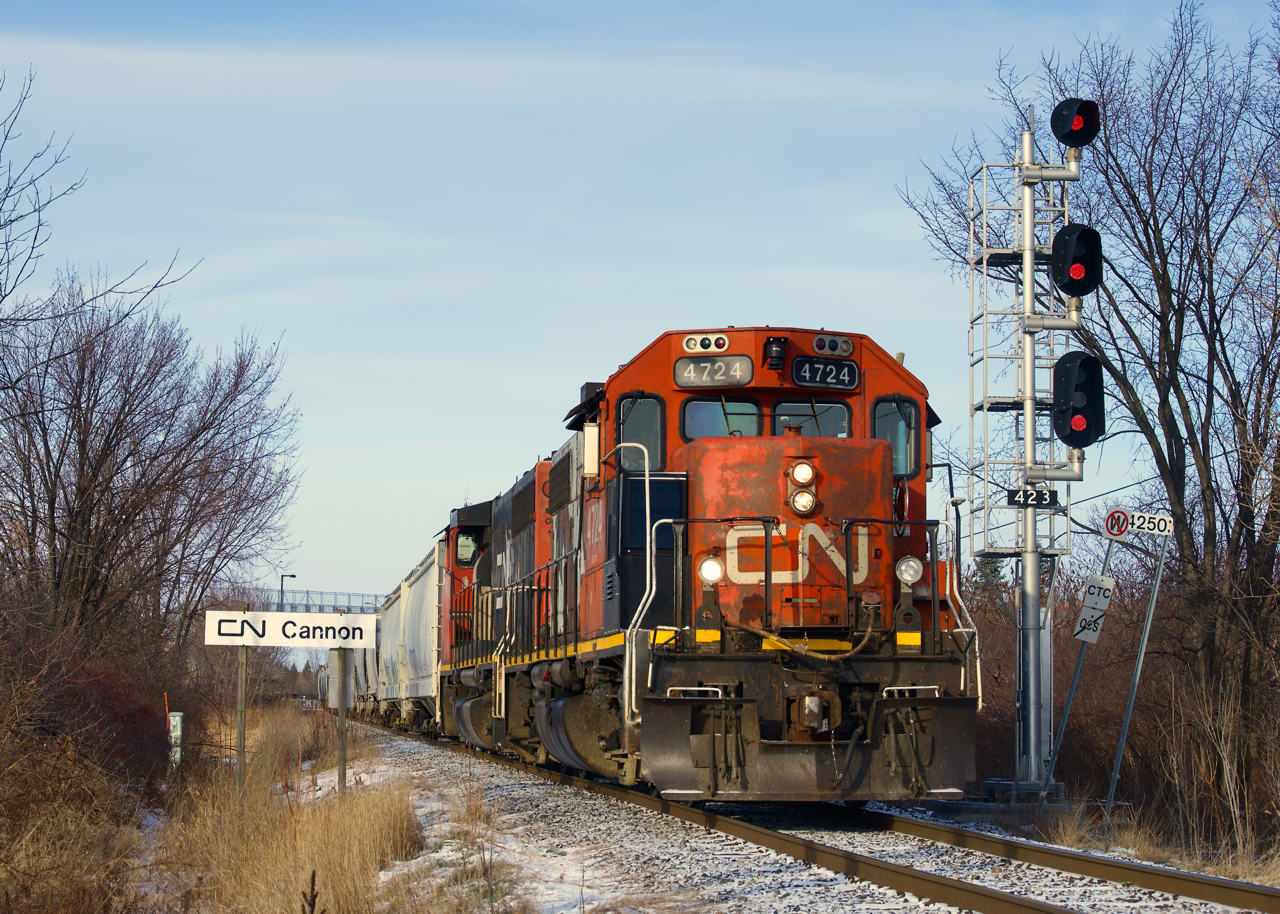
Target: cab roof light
<point>775,351</point>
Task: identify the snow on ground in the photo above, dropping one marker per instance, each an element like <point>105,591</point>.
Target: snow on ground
<point>581,852</point>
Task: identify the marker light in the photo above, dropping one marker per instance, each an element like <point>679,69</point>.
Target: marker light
<point>803,501</point>
<point>910,569</point>
<point>711,570</point>
<point>721,342</point>
<point>802,473</point>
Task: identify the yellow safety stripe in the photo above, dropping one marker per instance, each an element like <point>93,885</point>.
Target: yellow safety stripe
<point>704,636</point>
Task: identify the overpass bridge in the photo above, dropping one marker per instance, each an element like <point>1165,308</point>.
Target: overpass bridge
<point>316,601</point>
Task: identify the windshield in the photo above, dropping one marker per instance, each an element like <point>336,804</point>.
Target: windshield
<point>720,418</point>
<point>815,417</point>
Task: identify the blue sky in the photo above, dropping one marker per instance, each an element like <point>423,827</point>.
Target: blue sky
<point>454,214</point>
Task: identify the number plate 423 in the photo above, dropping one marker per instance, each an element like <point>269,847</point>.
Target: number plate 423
<point>1032,498</point>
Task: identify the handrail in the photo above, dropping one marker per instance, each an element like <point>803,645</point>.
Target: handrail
<point>648,580</point>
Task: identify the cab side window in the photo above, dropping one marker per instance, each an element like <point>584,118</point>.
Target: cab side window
<point>897,420</point>
<point>640,421</point>
<point>466,548</point>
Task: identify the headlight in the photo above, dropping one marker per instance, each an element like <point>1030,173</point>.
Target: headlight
<point>711,570</point>
<point>802,473</point>
<point>803,502</point>
<point>910,569</point>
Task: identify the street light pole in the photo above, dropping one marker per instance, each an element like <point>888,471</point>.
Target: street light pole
<point>280,605</point>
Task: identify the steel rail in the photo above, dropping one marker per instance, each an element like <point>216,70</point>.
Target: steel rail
<point>1246,895</point>
<point>1174,882</point>
<point>923,885</point>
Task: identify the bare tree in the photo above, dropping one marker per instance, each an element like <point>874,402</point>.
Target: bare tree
<point>28,188</point>
<point>136,474</point>
<point>1186,324</point>
<point>26,192</point>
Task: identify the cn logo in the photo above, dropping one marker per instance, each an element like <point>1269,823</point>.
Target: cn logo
<point>807,534</point>
<point>227,628</point>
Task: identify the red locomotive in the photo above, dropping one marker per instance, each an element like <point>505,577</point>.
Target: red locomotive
<point>723,584</point>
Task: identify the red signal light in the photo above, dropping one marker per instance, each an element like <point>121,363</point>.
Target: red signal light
<point>1076,264</point>
<point>1075,122</point>
<point>1078,423</point>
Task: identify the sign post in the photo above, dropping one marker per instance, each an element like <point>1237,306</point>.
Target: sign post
<point>300,630</point>
<point>342,721</point>
<point>242,679</point>
<point>1167,529</point>
<point>1088,627</point>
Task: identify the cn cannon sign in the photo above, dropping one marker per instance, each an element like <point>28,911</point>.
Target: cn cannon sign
<point>330,630</point>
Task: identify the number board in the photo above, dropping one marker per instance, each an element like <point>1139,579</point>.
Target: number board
<point>1032,498</point>
<point>1159,524</point>
<point>838,374</point>
<point>714,371</point>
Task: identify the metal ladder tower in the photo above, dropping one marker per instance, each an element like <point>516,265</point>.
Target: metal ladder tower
<point>1018,327</point>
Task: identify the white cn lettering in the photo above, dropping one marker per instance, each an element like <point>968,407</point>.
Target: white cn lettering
<point>796,575</point>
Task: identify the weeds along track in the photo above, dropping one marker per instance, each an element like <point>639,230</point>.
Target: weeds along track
<point>998,875</point>
<point>1157,878</point>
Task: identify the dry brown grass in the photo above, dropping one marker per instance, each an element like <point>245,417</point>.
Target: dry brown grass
<point>73,857</point>
<point>1070,825</point>
<point>1139,834</point>
<point>66,841</point>
<point>461,873</point>
<point>220,854</point>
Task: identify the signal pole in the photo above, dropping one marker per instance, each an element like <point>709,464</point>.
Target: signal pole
<point>1072,123</point>
<point>1012,445</point>
<point>1029,626</point>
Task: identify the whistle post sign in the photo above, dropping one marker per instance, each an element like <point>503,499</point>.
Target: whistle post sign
<point>318,630</point>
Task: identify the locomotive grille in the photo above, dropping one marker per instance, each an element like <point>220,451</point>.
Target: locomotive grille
<point>522,505</point>
<point>558,488</point>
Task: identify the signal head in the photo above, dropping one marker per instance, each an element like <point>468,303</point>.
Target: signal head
<point>1076,264</point>
<point>1075,122</point>
<point>1079,413</point>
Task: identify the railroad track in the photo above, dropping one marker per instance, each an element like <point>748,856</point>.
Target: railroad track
<point>1174,882</point>
<point>924,885</point>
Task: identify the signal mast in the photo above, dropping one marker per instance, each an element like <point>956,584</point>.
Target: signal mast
<point>1013,504</point>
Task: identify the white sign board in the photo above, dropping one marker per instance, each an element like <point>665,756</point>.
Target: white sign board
<point>1097,597</point>
<point>291,629</point>
<point>1116,523</point>
<point>1097,592</point>
<point>1159,524</point>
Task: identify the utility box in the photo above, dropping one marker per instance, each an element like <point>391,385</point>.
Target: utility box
<point>175,739</point>
<point>333,676</point>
